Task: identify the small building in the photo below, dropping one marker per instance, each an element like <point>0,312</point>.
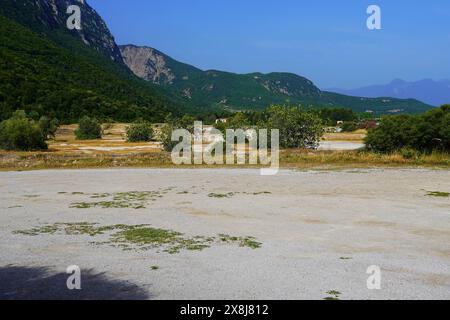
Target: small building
<point>221,120</point>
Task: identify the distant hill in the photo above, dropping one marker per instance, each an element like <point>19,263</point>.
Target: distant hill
<point>254,91</point>
<point>46,69</point>
<point>435,93</point>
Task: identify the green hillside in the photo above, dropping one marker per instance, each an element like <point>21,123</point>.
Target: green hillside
<point>255,91</point>
<point>41,77</point>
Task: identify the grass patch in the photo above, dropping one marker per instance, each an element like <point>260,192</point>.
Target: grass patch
<point>50,229</point>
<point>154,268</point>
<point>231,194</point>
<point>221,195</point>
<point>132,199</point>
<point>146,237</point>
<point>438,194</point>
<point>249,242</point>
<point>333,295</point>
<point>80,228</point>
<point>141,237</point>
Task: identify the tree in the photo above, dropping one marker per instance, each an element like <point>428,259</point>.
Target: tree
<point>22,134</point>
<point>166,137</point>
<point>48,127</point>
<point>298,128</point>
<point>89,129</point>
<point>140,131</point>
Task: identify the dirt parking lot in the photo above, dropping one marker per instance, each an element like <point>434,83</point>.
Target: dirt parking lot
<point>225,233</point>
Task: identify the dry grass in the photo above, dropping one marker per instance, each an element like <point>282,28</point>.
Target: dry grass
<point>359,159</point>
<point>357,136</point>
<point>297,159</point>
<point>112,151</point>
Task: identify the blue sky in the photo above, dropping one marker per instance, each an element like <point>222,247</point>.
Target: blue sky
<point>326,41</point>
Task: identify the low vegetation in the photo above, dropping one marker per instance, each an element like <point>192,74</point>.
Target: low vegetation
<point>292,159</point>
<point>438,194</point>
<point>132,199</point>
<point>22,134</point>
<point>140,131</point>
<point>423,133</point>
<point>89,129</point>
<point>231,194</point>
<point>333,295</point>
<point>141,237</point>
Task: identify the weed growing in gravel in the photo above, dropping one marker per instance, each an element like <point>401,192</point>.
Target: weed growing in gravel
<point>81,228</point>
<point>154,268</point>
<point>231,194</point>
<point>145,237</point>
<point>141,237</point>
<point>51,229</point>
<point>249,242</point>
<point>438,194</point>
<point>221,195</point>
<point>132,199</point>
<point>334,295</point>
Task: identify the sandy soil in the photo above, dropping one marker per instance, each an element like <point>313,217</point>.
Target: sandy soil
<point>340,145</point>
<point>319,230</point>
<point>114,141</point>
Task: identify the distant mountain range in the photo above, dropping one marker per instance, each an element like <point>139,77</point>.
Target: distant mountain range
<point>47,69</point>
<point>435,93</point>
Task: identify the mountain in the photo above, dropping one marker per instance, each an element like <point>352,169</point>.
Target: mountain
<point>435,93</point>
<point>47,69</point>
<point>254,91</point>
<point>50,16</point>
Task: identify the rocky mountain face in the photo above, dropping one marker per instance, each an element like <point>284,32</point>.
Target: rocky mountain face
<point>253,91</point>
<point>51,15</point>
<point>213,87</point>
<point>148,64</point>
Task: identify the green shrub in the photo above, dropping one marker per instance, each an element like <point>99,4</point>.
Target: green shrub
<point>349,126</point>
<point>48,127</point>
<point>298,128</point>
<point>425,133</point>
<point>140,131</point>
<point>89,129</point>
<point>409,153</point>
<point>21,134</point>
<point>166,137</point>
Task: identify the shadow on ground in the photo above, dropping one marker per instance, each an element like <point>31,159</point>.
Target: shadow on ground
<point>39,283</point>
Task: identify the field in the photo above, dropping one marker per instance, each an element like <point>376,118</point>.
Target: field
<point>225,234</point>
<point>338,150</point>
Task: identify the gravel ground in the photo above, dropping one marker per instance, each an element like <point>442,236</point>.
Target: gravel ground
<point>319,230</point>
<point>340,145</point>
